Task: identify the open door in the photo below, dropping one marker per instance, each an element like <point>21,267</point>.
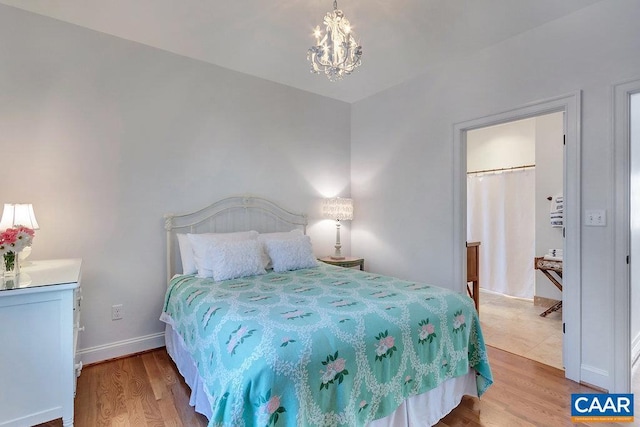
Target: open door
<point>571,295</point>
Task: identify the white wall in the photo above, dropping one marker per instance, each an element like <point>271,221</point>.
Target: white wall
<point>402,157</point>
<point>549,132</point>
<point>104,136</point>
<point>507,145</point>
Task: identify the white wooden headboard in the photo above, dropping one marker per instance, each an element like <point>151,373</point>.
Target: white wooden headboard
<point>237,213</point>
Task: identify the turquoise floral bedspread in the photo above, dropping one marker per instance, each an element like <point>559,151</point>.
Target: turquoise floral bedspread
<point>326,346</point>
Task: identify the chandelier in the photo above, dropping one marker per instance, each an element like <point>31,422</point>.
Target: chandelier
<point>336,53</point>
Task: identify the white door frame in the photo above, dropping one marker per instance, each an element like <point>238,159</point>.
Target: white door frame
<point>622,287</point>
<point>571,105</point>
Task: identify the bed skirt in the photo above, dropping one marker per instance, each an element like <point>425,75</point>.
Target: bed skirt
<point>422,410</point>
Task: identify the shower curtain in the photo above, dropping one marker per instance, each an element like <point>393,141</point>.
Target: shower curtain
<point>501,215</point>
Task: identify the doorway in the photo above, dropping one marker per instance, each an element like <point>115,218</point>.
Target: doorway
<point>627,257</point>
<point>634,226</point>
<point>571,295</point>
<point>634,215</point>
<point>514,210</point>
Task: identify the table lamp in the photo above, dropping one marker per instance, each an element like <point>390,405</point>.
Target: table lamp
<point>338,209</point>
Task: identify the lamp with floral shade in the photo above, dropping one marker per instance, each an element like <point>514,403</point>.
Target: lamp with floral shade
<point>338,209</point>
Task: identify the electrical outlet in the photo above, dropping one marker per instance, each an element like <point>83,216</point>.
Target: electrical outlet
<point>117,312</point>
<point>595,218</point>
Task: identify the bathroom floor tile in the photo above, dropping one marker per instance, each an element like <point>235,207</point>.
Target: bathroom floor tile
<point>515,325</point>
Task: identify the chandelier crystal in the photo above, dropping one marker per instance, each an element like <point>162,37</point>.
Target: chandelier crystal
<point>336,53</point>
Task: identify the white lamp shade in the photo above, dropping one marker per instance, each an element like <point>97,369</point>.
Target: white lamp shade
<point>18,214</point>
<point>338,208</point>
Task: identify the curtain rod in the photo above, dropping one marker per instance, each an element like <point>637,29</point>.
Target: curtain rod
<point>503,169</point>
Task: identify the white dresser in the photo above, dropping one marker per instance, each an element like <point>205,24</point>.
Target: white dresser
<point>39,325</point>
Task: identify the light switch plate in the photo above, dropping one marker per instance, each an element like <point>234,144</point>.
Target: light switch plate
<point>595,217</point>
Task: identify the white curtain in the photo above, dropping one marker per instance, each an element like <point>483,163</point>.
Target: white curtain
<point>501,216</point>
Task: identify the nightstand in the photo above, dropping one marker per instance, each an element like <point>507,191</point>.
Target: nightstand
<point>40,317</point>
<point>346,262</point>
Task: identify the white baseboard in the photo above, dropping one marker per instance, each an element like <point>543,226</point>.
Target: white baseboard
<point>596,377</point>
<point>121,348</point>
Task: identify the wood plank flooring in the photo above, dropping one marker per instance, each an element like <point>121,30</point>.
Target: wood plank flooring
<point>147,390</point>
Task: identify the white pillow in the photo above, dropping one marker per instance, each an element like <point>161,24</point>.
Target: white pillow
<point>236,258</point>
<point>291,254</point>
<point>186,255</point>
<point>200,244</point>
<point>283,235</point>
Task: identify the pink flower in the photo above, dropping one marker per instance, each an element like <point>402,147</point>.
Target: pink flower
<point>334,369</point>
<point>273,404</point>
<point>9,236</point>
<point>29,231</point>
<point>232,345</point>
<point>15,239</point>
<point>10,232</point>
<point>458,321</point>
<point>430,328</point>
<point>328,375</point>
<point>363,403</point>
<point>293,314</point>
<point>384,344</point>
<point>338,365</point>
<point>236,338</point>
<point>241,332</point>
<point>388,341</point>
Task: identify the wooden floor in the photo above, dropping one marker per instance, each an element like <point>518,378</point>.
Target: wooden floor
<point>146,390</point>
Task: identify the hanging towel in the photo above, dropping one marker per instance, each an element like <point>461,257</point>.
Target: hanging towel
<point>556,213</point>
<point>554,255</point>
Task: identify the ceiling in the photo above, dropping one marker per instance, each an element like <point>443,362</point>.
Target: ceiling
<point>269,39</point>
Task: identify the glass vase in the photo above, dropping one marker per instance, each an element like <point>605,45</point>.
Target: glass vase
<point>10,265</point>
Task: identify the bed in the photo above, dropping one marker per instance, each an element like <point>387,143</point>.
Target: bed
<point>286,341</point>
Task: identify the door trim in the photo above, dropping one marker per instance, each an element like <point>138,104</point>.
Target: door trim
<point>571,105</point>
<point>622,286</point>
